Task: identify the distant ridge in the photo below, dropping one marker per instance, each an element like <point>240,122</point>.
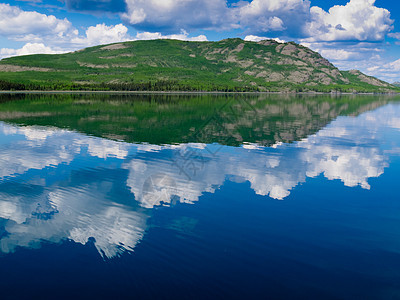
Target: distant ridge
<point>397,84</point>
<point>170,65</point>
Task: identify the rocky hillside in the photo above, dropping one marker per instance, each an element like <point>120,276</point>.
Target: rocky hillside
<point>227,65</point>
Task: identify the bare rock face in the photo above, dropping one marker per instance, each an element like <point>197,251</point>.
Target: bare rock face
<point>372,81</point>
<point>268,42</point>
<point>239,48</point>
<point>304,55</point>
<point>114,47</point>
<point>323,79</point>
<point>93,66</point>
<point>289,49</point>
<point>290,61</point>
<point>298,77</point>
<point>367,79</point>
<point>355,72</point>
<point>275,76</point>
<point>13,68</point>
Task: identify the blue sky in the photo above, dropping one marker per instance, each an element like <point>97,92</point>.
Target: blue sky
<point>353,34</point>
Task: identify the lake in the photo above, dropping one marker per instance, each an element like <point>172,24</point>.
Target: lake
<point>199,196</point>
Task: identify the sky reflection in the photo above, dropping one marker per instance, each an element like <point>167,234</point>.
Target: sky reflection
<point>58,184</point>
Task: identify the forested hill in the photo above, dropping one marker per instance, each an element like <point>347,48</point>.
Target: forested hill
<point>171,65</point>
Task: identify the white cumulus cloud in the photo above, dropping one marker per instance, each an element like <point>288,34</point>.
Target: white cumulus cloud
<point>184,36</point>
<point>103,34</point>
<point>29,48</point>
<point>255,38</point>
<point>358,20</point>
<point>261,16</point>
<point>21,25</point>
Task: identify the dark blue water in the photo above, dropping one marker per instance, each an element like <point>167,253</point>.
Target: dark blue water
<point>85,217</point>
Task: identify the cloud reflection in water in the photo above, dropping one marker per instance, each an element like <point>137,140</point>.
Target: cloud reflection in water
<point>56,184</point>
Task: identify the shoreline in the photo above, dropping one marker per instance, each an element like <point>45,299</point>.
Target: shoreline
<point>194,92</point>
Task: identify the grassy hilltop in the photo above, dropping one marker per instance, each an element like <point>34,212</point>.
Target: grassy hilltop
<point>171,65</point>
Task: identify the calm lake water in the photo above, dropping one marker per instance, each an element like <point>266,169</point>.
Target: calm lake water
<point>199,197</point>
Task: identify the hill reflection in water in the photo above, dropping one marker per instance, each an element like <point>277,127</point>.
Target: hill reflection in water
<point>58,184</point>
